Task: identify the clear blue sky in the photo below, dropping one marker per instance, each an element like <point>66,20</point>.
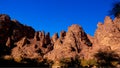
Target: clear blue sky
<point>56,15</point>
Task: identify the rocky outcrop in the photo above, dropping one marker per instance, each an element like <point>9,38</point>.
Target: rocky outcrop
<point>4,28</point>
<point>70,44</point>
<point>33,48</point>
<point>21,42</point>
<point>18,31</point>
<point>62,34</point>
<point>108,33</point>
<point>55,37</point>
<point>13,29</point>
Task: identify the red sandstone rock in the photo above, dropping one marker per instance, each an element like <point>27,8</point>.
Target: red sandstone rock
<point>71,44</point>
<point>23,42</point>
<point>55,37</point>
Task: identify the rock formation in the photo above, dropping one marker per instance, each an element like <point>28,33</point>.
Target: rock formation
<point>107,35</point>
<point>22,42</point>
<point>70,44</point>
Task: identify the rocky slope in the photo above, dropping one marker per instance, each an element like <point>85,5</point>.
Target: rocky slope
<point>21,42</point>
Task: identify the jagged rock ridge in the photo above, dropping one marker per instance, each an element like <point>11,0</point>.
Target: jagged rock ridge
<point>20,41</point>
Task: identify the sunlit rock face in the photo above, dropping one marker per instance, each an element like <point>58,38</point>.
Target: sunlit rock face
<point>70,44</point>
<point>22,42</point>
<point>33,48</point>
<point>108,33</point>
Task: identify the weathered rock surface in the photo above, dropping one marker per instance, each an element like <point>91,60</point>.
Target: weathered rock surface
<point>22,42</point>
<point>108,33</point>
<point>70,44</point>
<point>13,29</point>
<point>33,48</point>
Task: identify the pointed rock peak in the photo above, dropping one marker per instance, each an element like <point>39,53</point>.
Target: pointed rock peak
<point>107,20</point>
<point>36,36</point>
<point>62,34</point>
<point>55,35</point>
<point>99,24</point>
<point>43,33</point>
<point>47,35</point>
<point>75,28</point>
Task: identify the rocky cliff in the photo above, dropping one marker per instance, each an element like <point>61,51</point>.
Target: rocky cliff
<point>21,42</point>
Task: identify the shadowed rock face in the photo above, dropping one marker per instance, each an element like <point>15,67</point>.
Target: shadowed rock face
<point>23,42</point>
<point>11,31</point>
<point>4,28</point>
